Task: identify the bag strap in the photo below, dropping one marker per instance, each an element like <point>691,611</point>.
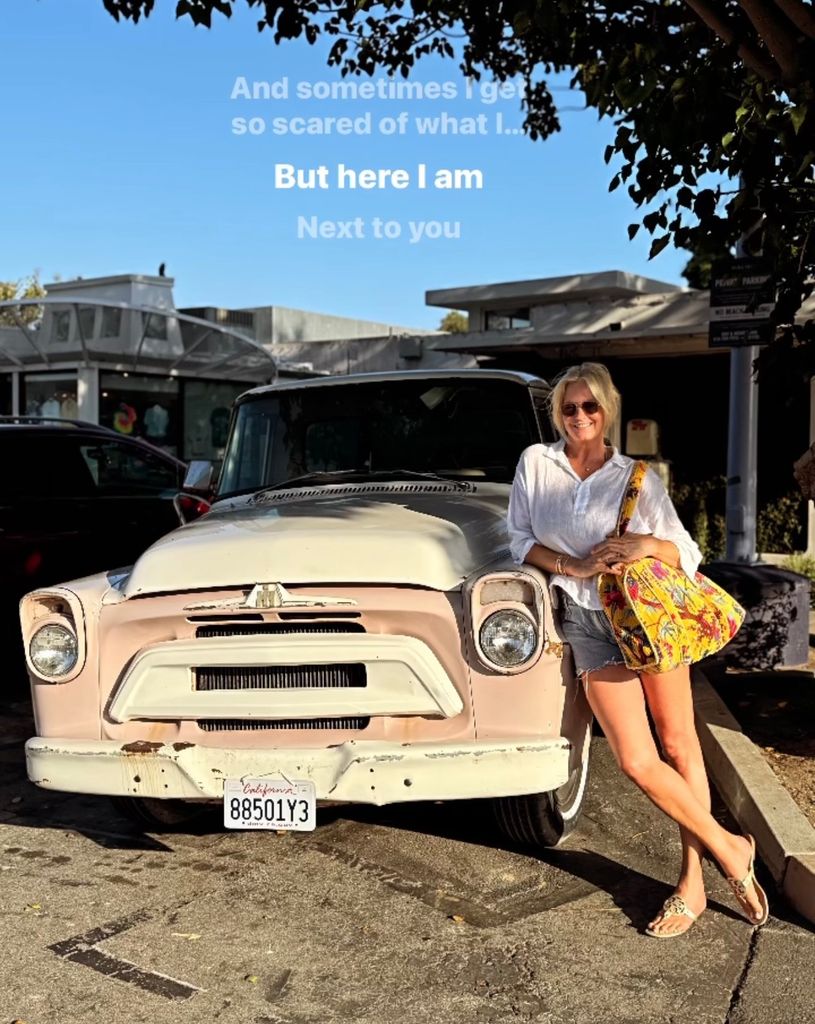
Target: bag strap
<point>630,497</point>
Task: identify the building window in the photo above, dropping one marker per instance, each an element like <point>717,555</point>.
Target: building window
<point>155,326</point>
<point>87,317</point>
<point>506,319</point>
<point>6,398</point>
<point>136,405</point>
<point>50,394</point>
<point>111,323</point>
<point>207,409</point>
<point>61,328</point>
<point>236,317</point>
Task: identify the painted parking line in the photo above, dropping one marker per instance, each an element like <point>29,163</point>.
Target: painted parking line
<point>82,949</point>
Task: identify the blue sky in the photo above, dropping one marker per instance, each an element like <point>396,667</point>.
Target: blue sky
<point>120,154</point>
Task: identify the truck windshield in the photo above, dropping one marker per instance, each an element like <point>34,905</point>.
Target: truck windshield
<point>458,428</point>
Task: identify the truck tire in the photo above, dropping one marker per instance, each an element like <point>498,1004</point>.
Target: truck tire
<point>546,819</point>
<point>163,815</point>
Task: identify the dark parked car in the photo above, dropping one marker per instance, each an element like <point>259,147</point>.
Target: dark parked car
<point>76,498</point>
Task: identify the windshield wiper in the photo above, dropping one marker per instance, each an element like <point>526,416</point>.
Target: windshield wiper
<point>335,475</point>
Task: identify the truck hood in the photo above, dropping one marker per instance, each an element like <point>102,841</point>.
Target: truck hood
<point>404,534</point>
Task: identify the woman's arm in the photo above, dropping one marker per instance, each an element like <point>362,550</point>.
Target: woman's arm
<point>564,565</point>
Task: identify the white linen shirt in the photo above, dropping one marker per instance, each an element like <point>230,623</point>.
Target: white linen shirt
<point>550,505</point>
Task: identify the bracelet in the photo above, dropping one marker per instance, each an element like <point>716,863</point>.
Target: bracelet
<point>560,564</point>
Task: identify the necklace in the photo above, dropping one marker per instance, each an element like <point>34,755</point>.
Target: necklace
<point>591,465</point>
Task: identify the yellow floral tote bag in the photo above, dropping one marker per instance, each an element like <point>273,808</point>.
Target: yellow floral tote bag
<point>660,616</point>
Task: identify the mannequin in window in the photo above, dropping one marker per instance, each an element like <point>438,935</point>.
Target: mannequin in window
<point>68,409</point>
<point>51,407</point>
<point>156,421</point>
<point>219,426</point>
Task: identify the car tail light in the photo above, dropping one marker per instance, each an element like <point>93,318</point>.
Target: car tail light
<point>189,507</point>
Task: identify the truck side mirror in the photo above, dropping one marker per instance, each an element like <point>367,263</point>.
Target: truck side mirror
<point>199,477</point>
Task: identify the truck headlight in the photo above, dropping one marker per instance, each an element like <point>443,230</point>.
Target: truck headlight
<point>53,651</point>
<point>508,638</point>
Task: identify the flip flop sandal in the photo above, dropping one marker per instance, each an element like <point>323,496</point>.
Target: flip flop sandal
<point>740,887</point>
<point>674,906</point>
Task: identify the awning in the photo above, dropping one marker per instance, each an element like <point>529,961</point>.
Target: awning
<point>147,340</point>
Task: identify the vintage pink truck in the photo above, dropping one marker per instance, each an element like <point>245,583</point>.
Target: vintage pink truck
<point>344,624</point>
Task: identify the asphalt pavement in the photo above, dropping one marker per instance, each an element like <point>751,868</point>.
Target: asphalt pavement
<point>411,913</point>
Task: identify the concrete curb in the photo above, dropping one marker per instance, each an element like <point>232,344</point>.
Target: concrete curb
<point>756,799</point>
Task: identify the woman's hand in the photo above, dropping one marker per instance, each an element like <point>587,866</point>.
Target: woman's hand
<point>617,552</point>
<point>584,568</point>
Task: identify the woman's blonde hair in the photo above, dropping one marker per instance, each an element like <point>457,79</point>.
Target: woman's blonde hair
<point>597,378</point>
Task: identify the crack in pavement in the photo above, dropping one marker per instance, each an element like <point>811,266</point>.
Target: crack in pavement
<point>735,995</point>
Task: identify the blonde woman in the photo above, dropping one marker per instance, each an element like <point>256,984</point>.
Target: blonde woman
<point>562,516</point>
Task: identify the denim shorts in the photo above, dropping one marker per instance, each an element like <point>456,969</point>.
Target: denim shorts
<point>589,634</point>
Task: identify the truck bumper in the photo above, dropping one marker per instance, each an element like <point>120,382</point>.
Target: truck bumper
<point>361,772</point>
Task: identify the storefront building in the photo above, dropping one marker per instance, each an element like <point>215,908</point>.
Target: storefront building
<point>115,351</point>
<point>653,336</point>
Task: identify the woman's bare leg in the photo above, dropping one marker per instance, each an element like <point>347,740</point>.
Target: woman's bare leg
<point>617,699</point>
<point>669,700</point>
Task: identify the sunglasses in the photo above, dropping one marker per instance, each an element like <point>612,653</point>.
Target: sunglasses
<point>570,408</point>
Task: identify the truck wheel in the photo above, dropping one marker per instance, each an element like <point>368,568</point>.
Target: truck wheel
<point>545,819</point>
<point>162,815</point>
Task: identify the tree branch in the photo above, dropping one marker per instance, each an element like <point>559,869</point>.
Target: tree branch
<point>776,35</point>
<point>752,58</point>
<point>800,14</point>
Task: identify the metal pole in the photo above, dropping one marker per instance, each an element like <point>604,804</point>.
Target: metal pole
<point>742,437</point>
<point>742,453</point>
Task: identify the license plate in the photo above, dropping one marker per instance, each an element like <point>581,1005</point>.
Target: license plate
<point>270,803</point>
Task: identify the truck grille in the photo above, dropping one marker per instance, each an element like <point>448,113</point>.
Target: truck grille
<point>255,725</point>
<point>280,677</point>
<point>255,628</point>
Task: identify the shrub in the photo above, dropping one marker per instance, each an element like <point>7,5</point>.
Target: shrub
<point>701,508</point>
<point>805,565</point>
<point>699,505</point>
<point>778,526</point>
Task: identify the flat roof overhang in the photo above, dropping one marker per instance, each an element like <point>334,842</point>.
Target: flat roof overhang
<point>610,284</point>
<point>660,340</point>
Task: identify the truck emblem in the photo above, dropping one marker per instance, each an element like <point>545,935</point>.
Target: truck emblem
<point>271,595</point>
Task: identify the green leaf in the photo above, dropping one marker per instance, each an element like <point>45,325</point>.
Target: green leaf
<point>727,140</point>
<point>806,165</point>
<point>658,245</point>
<point>632,230</point>
<point>705,204</point>
<point>798,116</point>
<point>609,153</point>
<point>521,23</point>
<point>650,220</point>
<point>615,181</point>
